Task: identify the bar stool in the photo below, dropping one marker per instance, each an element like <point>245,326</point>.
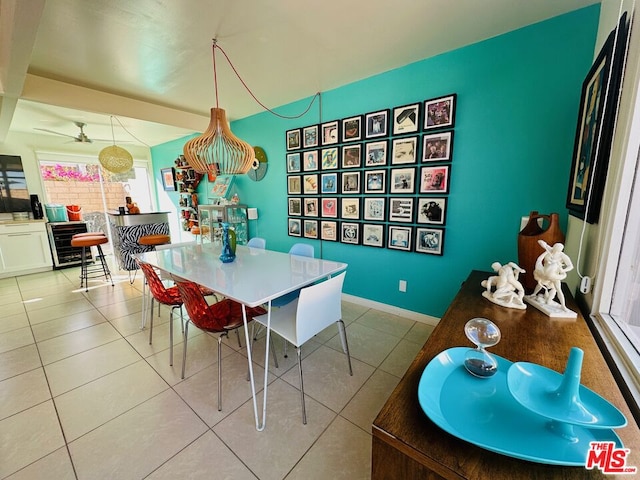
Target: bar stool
<point>153,240</point>
<point>87,241</point>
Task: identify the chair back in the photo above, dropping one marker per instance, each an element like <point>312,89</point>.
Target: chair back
<point>302,249</point>
<point>257,242</point>
<point>194,302</point>
<point>319,306</point>
<point>157,288</point>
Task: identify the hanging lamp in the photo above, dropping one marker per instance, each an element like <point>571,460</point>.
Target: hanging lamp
<point>113,158</point>
<point>218,151</point>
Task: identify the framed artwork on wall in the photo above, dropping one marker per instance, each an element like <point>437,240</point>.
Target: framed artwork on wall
<point>402,180</point>
<point>293,162</point>
<point>168,179</point>
<point>595,127</point>
<point>310,184</point>
<point>440,112</point>
<point>350,233</point>
<point>373,235</point>
<point>350,208</point>
<point>352,129</point>
<point>350,182</point>
<point>399,238</point>
<point>430,240</point>
<point>293,139</point>
<point>406,119</point>
<point>295,227</point>
<point>374,181</point>
<point>295,206</point>
<point>401,210</point>
<point>310,161</point>
<point>432,210</point>
<point>377,124</point>
<point>437,147</point>
<point>434,179</point>
<point>330,158</point>
<point>329,230</point>
<point>294,185</point>
<point>310,207</point>
<point>373,209</point>
<point>330,133</point>
<point>329,207</point>
<point>311,229</point>
<point>310,136</point>
<point>329,183</point>
<point>404,150</point>
<point>351,156</point>
<point>375,154</point>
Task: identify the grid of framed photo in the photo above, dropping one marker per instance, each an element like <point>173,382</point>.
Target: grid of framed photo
<point>379,179</point>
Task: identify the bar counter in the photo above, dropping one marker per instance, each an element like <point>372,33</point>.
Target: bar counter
<point>127,230</point>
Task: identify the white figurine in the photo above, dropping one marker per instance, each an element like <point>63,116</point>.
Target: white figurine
<point>551,268</point>
<point>509,291</point>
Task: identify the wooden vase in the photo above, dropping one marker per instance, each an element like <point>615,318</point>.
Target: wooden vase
<point>528,248</point>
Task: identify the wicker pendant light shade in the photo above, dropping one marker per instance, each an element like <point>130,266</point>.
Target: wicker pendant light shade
<point>115,159</point>
<point>218,150</point>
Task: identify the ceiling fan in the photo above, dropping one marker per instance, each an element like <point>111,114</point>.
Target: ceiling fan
<point>80,138</point>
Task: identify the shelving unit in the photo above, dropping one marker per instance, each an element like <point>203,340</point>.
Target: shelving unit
<point>187,180</point>
<point>211,216</point>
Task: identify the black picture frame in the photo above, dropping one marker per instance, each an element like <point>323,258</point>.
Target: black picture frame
<point>293,139</point>
<point>329,230</point>
<point>377,124</point>
<point>310,137</point>
<point>594,131</point>
<point>293,162</point>
<point>352,129</point>
<point>373,235</point>
<point>311,207</point>
<point>375,181</point>
<point>295,227</point>
<point>330,133</point>
<point>329,207</point>
<point>406,119</point>
<point>350,183</point>
<point>374,208</point>
<point>402,180</point>
<point>352,155</point>
<point>350,232</point>
<point>310,161</point>
<point>310,228</point>
<point>330,158</point>
<point>430,240</point>
<point>294,185</point>
<point>350,208</point>
<point>295,206</point>
<point>329,183</point>
<point>401,209</point>
<point>435,179</point>
<point>404,150</point>
<point>168,179</point>
<point>399,238</point>
<point>437,147</point>
<point>440,112</point>
<point>431,210</point>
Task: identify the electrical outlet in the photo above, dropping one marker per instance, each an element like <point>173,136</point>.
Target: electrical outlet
<point>402,286</point>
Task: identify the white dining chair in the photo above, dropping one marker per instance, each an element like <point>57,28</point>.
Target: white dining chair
<point>257,242</point>
<point>317,307</point>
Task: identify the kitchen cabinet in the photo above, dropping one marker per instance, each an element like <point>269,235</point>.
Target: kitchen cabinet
<point>24,248</point>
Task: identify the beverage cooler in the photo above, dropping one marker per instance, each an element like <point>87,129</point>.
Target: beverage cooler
<point>60,233</point>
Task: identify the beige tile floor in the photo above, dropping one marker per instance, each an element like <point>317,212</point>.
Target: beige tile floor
<point>84,396</point>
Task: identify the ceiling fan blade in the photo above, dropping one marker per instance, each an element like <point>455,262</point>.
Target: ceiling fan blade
<point>54,132</point>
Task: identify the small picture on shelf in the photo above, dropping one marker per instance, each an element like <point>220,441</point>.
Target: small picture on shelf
<point>222,186</point>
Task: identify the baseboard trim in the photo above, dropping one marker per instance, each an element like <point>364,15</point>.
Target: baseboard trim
<point>401,312</point>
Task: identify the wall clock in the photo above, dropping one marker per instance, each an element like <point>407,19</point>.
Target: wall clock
<point>259,168</point>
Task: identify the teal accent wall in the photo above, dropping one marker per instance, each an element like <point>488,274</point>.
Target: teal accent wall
<point>517,106</point>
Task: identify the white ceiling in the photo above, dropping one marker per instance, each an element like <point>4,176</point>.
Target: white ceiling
<point>149,62</point>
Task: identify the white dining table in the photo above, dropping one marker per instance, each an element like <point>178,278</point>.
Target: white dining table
<point>254,278</point>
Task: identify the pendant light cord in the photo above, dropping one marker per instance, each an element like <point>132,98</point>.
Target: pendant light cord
<point>292,117</point>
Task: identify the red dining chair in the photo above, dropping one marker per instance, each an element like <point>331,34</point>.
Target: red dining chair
<point>220,317</point>
<point>169,296</point>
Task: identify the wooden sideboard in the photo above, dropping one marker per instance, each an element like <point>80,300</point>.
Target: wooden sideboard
<point>407,444</point>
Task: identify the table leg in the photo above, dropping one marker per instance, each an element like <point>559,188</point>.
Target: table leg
<point>259,426</point>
